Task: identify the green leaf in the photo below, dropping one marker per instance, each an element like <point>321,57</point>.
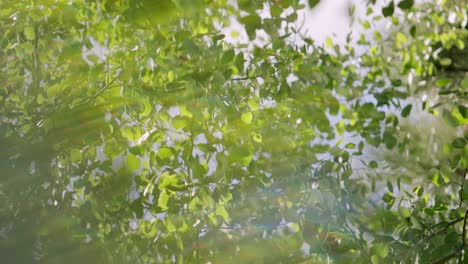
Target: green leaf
<point>132,162</point>
<point>440,208</point>
<point>252,21</point>
<point>406,4</point>
<point>465,191</point>
<point>221,211</point>
<point>154,84</point>
<point>413,31</point>
<point>80,183</point>
<point>406,111</point>
<point>400,39</point>
<point>206,147</point>
<point>377,260</point>
<point>179,122</point>
<point>449,118</point>
<point>389,139</point>
<point>163,199</point>
<point>257,138</point>
<point>131,133</point>
<point>373,164</point>
<point>193,205</point>
<point>241,154</point>
<point>275,11</point>
<point>436,178</point>
<point>29,33</point>
<point>328,42</point>
<point>346,174</point>
<point>388,198</point>
<point>340,127</point>
<point>113,149</point>
<point>240,62</point>
<point>137,208</point>
<point>292,17</point>
<point>390,186</point>
<point>184,111</point>
<point>443,82</point>
<point>404,212</point>
<point>227,57</point>
<point>136,150</point>
<point>464,83</point>
<point>452,238</point>
<point>459,143</point>
<point>170,229</point>
<point>168,181</point>
<point>218,37</point>
<point>429,211</point>
<point>253,104</point>
<point>313,3</point>
<point>445,61</point>
<point>247,117</point>
<point>75,155</point>
<point>463,110</point>
<point>418,190</point>
<point>28,47</point>
<point>380,249</point>
<point>147,108</point>
<point>389,9</point>
<point>53,90</point>
<point>165,153</point>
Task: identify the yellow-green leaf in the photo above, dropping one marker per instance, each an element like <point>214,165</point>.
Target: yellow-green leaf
<point>247,117</point>
<point>165,153</point>
<point>221,211</point>
<point>257,138</point>
<point>75,155</point>
<point>163,199</point>
<point>132,162</point>
<point>29,33</point>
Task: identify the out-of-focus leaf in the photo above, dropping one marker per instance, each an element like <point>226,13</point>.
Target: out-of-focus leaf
<point>132,162</point>
<point>389,9</point>
<point>406,4</point>
<point>313,3</point>
<point>247,117</point>
<point>163,199</point>
<point>406,111</point>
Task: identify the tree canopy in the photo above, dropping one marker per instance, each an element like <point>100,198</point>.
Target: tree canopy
<point>134,131</point>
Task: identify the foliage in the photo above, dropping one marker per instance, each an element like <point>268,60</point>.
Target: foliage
<point>134,132</point>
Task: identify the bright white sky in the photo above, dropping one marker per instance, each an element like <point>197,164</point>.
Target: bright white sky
<point>329,17</point>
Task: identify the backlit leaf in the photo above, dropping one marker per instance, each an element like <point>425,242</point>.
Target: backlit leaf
<point>132,162</point>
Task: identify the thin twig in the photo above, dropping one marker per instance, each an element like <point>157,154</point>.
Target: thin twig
<point>460,258</point>
<point>148,246</point>
<point>253,77</point>
<point>464,228</point>
<point>359,241</point>
<point>459,249</point>
<point>448,257</point>
<point>447,223</point>
<point>99,92</point>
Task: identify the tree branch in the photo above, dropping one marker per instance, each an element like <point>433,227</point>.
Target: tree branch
<point>99,92</point>
<point>358,240</point>
<point>448,224</point>
<point>459,249</point>
<point>253,77</point>
<point>462,187</point>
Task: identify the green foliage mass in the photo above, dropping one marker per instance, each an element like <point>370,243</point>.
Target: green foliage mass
<point>135,132</point>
